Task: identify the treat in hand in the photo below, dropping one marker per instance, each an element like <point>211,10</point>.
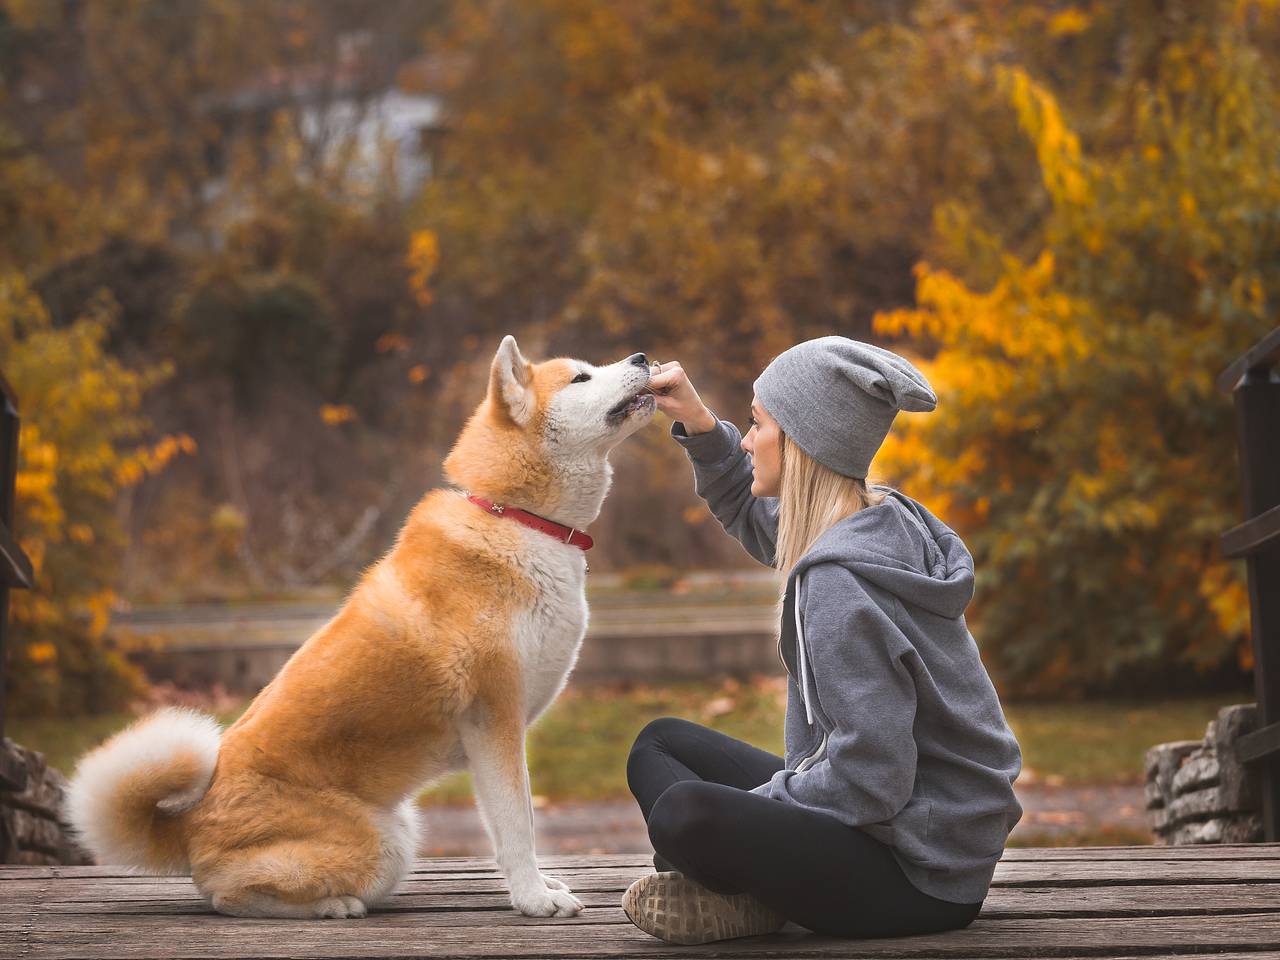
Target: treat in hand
<point>677,398</point>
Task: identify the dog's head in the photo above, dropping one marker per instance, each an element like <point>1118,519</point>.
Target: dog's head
<point>537,416</point>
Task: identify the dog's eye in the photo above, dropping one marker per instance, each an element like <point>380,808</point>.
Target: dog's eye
<point>581,378</point>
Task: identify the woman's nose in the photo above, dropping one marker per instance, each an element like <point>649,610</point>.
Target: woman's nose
<point>639,359</point>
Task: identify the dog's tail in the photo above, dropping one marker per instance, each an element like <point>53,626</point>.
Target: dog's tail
<point>128,798</point>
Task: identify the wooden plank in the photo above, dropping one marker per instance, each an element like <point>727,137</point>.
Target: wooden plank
<point>218,937</point>
<point>1251,536</point>
<point>1198,851</point>
<point>1105,873</point>
<point>432,908</point>
<point>481,866</point>
<point>1049,874</point>
<point>1264,353</point>
<point>1045,902</point>
<point>1025,873</point>
<point>1258,744</point>
<point>15,568</point>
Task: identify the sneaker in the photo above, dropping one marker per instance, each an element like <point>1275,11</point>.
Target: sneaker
<point>674,908</point>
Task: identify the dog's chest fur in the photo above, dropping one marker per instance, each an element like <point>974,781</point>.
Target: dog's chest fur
<point>548,635</point>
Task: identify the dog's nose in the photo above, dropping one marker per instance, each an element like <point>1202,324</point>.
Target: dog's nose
<point>639,359</point>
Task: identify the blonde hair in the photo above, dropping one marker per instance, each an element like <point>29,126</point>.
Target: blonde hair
<point>812,498</point>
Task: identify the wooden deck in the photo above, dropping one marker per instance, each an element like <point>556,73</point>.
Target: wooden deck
<point>1066,902</point>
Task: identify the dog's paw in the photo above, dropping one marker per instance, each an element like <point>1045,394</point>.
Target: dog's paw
<point>547,903</point>
<point>554,884</point>
<point>339,908</point>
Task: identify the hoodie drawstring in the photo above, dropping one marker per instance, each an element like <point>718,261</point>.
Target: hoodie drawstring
<point>804,673</point>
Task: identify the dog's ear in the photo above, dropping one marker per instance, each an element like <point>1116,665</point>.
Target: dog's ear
<point>510,380</point>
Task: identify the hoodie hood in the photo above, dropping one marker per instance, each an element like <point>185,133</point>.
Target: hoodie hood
<point>903,548</point>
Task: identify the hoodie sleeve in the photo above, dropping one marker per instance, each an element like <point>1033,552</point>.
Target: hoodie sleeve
<point>854,668</point>
<point>722,477</point>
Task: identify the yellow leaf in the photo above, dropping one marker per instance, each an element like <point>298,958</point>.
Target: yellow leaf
<point>334,414</point>
<point>43,652</point>
<point>391,341</point>
<point>1069,22</point>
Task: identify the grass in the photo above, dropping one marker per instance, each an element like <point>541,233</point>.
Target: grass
<point>1096,742</point>
<point>578,750</point>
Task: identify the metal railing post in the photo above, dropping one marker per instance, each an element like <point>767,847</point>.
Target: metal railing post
<point>1254,382</point>
<point>15,569</point>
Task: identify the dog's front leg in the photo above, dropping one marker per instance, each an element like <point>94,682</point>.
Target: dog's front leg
<point>492,735</point>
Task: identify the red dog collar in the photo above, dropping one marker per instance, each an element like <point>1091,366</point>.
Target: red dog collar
<point>550,527</point>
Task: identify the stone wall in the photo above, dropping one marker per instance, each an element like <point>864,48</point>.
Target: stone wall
<point>31,830</point>
<point>1197,792</point>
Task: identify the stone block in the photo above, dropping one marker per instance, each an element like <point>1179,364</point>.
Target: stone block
<point>1241,787</point>
<point>1197,805</point>
<point>1199,769</point>
<point>1231,724</point>
<point>1240,829</point>
<point>1203,831</point>
<point>1163,760</point>
<point>44,793</point>
<point>1246,828</point>
<point>1160,820</point>
<point>1155,799</point>
<point>31,830</point>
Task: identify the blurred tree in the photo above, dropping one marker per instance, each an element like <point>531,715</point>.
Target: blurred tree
<point>197,163</point>
<point>733,175</point>
<point>705,181</point>
<point>82,442</point>
<point>1080,442</point>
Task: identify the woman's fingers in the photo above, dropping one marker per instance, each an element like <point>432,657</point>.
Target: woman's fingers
<point>673,392</point>
<point>666,380</point>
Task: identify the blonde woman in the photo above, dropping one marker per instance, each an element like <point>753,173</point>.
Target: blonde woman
<point>895,798</point>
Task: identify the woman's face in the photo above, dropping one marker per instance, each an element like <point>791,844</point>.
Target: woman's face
<point>764,442</point>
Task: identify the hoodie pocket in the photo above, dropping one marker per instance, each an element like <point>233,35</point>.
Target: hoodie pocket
<point>987,834</point>
<point>911,832</point>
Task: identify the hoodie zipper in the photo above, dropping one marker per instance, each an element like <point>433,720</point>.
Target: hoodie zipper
<point>814,757</point>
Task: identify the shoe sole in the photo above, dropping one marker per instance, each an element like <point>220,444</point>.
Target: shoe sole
<point>678,910</point>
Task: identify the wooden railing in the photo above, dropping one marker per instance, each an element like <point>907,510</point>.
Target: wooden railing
<point>15,569</point>
<point>1254,382</point>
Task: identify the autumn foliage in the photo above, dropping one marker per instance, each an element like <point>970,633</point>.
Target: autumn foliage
<point>242,352</point>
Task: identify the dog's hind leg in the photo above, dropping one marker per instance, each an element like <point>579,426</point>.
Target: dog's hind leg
<point>290,881</point>
<point>400,837</point>
<point>266,905</point>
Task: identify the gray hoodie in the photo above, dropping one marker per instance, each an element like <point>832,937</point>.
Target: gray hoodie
<point>892,725</point>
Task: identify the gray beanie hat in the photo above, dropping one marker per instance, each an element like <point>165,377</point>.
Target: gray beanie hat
<point>837,398</point>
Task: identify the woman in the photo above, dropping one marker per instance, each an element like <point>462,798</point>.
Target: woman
<point>895,798</point>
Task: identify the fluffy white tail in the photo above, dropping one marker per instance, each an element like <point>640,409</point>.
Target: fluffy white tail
<point>127,798</point>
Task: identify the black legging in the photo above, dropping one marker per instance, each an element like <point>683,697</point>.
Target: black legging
<point>691,784</point>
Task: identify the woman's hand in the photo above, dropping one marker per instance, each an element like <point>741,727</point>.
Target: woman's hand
<point>678,400</point>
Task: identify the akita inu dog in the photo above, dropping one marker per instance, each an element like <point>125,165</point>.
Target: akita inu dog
<point>440,657</point>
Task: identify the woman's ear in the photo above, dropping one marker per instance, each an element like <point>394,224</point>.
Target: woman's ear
<point>509,382</point>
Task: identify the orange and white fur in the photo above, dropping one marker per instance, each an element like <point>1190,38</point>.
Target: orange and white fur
<point>440,658</point>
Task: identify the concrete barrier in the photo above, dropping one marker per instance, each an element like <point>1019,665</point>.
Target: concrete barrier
<point>641,638</point>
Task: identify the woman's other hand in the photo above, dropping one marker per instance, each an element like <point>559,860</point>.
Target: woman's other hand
<point>678,400</point>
